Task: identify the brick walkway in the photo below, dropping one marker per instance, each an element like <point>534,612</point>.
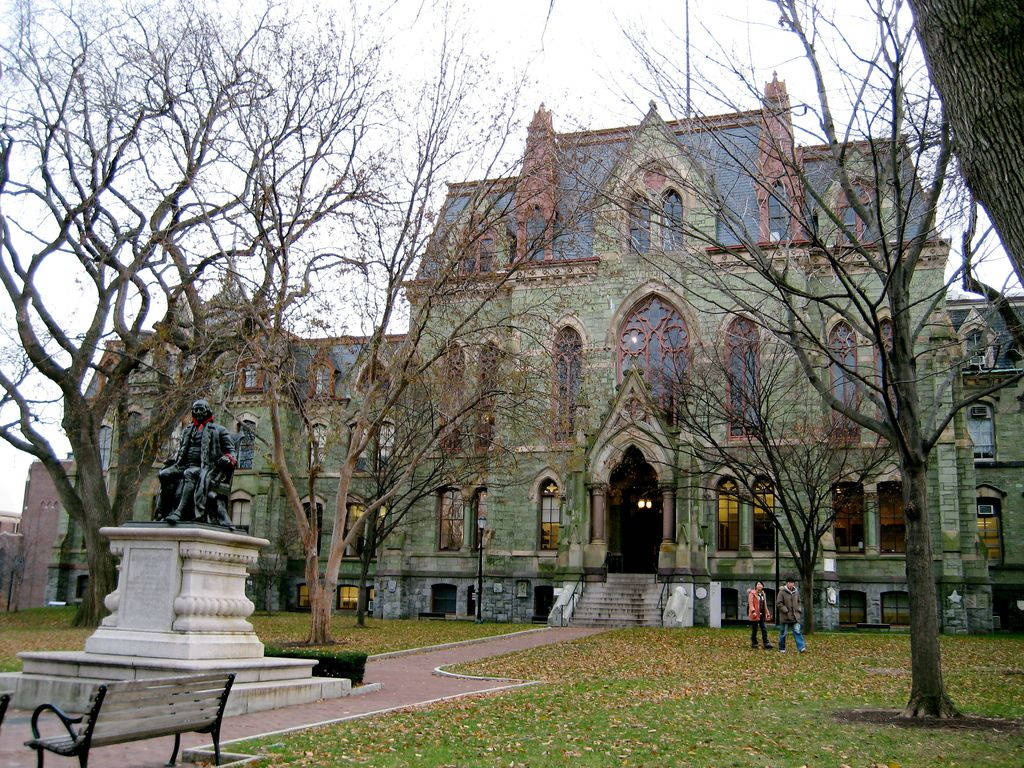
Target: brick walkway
<point>408,681</point>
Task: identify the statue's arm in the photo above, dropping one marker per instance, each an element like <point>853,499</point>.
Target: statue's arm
<point>228,447</point>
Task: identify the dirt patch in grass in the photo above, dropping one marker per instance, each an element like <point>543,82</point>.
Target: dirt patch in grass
<point>895,717</point>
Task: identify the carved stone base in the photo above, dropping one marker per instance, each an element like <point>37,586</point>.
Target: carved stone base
<point>180,594</point>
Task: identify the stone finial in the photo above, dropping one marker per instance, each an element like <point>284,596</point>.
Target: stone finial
<point>775,91</point>
<point>541,120</point>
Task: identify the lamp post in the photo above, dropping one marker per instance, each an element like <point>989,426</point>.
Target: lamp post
<point>481,523</point>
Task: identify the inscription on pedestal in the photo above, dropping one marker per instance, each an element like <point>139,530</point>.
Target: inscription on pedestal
<point>147,603</point>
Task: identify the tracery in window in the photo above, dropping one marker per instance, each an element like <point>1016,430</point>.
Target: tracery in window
<point>567,358</point>
<point>672,221</point>
<point>654,340</point>
<point>742,376</point>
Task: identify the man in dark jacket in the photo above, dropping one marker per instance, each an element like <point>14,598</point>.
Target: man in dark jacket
<point>206,454</point>
<point>789,612</point>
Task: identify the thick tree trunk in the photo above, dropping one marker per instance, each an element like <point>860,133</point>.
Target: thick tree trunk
<point>928,694</point>
<point>102,579</point>
<point>807,600</point>
<point>319,602</point>
<point>975,58</point>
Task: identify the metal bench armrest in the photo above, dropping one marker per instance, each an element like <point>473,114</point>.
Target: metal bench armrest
<point>65,720</point>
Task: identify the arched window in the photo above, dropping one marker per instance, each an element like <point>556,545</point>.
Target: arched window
<point>655,341</point>
<point>764,516</point>
<point>639,225</point>
<point>728,516</point>
<point>778,213</point>
<point>853,607</point>
<point>989,529</point>
<point>106,438</point>
<point>892,529</point>
<point>742,376</point>
<point>848,523</point>
<point>550,515</point>
<point>487,253</point>
<point>442,598</point>
<point>842,344</point>
<point>896,608</point>
<point>567,353</point>
<point>535,236</point>
<point>246,442</point>
<point>672,221</point>
<point>450,521</point>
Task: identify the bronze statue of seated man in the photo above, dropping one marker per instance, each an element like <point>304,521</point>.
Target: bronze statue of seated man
<point>197,483</point>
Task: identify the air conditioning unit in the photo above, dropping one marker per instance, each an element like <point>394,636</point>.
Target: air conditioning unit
<point>986,510</point>
<point>976,361</point>
<point>978,412</point>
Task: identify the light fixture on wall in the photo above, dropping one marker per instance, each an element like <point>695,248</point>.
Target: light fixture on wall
<point>643,503</point>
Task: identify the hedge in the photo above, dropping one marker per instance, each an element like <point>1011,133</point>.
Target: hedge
<point>350,664</point>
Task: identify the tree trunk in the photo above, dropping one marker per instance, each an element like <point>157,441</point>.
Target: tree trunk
<point>973,53</point>
<point>807,600</point>
<point>928,694</point>
<point>102,579</point>
<point>319,602</point>
<point>364,567</point>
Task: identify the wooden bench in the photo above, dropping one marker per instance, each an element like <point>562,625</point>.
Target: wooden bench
<point>140,709</point>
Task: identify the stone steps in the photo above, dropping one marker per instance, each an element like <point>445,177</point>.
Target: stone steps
<point>624,600</point>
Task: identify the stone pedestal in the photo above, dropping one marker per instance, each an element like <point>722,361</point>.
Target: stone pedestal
<point>180,595</point>
<point>179,608</point>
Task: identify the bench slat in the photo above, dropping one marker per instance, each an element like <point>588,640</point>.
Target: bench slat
<point>206,679</point>
<point>154,726</point>
<point>181,709</point>
<point>119,705</point>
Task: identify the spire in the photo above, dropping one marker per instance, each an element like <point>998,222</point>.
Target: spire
<point>541,121</point>
<point>775,92</point>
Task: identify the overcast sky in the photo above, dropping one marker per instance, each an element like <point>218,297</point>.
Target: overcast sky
<point>576,59</point>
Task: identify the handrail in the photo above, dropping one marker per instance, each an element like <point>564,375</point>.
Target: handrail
<point>571,602</point>
<point>661,600</point>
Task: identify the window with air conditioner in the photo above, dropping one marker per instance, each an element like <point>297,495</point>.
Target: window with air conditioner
<point>982,430</point>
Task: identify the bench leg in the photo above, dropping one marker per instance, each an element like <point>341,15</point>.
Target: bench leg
<point>174,754</point>
<point>39,757</point>
<point>216,746</point>
<point>83,758</point>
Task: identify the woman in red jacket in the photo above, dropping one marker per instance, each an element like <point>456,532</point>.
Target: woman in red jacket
<point>758,612</point>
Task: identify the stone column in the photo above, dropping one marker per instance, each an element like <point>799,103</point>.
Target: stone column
<point>598,511</point>
<point>870,520</point>
<point>668,514</point>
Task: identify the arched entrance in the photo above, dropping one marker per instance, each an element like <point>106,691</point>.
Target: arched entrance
<point>634,520</point>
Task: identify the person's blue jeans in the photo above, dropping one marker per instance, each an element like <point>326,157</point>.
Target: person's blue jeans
<point>797,636</point>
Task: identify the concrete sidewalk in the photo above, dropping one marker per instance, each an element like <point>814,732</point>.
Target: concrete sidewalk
<point>408,681</point>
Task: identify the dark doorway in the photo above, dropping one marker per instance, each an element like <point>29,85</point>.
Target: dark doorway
<point>543,600</point>
<point>634,518</point>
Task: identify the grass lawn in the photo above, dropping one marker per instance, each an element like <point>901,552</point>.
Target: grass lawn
<point>654,697</point>
<point>49,629</point>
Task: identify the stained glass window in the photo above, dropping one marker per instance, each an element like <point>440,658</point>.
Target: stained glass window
<point>550,515</point>
<point>567,353</point>
<point>654,340</point>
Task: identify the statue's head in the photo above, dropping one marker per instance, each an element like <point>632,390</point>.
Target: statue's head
<point>201,410</point>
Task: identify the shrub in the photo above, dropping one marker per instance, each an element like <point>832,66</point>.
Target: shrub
<point>350,664</point>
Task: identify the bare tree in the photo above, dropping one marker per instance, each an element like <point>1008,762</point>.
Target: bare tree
<point>835,249</point>
<point>748,416</point>
<point>972,44</point>
<point>119,161</point>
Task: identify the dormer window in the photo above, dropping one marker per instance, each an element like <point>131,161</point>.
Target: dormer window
<point>778,214</point>
<point>250,378</point>
<point>322,384</point>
